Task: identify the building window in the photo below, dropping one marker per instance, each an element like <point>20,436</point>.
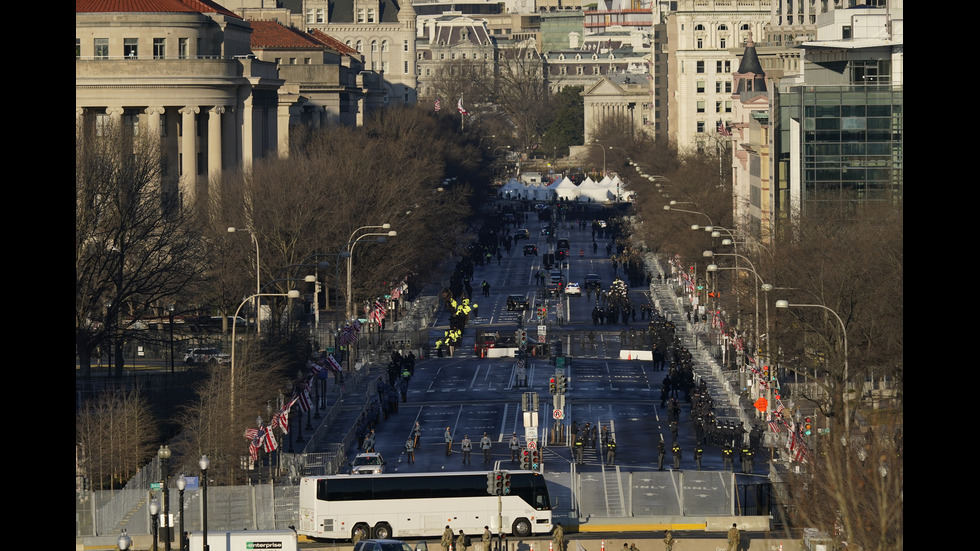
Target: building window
<point>717,107</point>
<point>700,86</point>
<point>580,70</point>
<point>78,48</point>
<point>372,16</point>
<point>320,15</point>
<point>700,127</point>
<point>310,16</point>
<point>159,48</point>
<point>700,69</point>
<point>405,46</point>
<point>182,48</point>
<point>723,66</point>
<point>700,107</point>
<point>374,46</point>
<point>723,43</point>
<point>307,61</point>
<point>596,69</point>
<point>384,45</point>
<point>728,107</point>
<point>699,43</point>
<point>130,48</point>
<point>406,68</point>
<point>102,48</point>
<point>360,46</point>
<point>361,15</point>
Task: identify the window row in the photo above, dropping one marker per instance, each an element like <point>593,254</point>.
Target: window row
<point>131,48</point>
<point>721,67</point>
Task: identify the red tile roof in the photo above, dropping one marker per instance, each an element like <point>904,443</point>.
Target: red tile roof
<point>333,42</point>
<point>151,6</point>
<point>272,34</point>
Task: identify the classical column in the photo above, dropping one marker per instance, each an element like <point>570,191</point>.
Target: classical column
<point>115,116</point>
<point>153,116</point>
<point>188,151</point>
<point>247,124</point>
<point>215,147</point>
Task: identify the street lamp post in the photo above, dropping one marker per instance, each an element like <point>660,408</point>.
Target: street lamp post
<point>170,310</point>
<point>204,462</point>
<point>154,515</point>
<point>843,328</point>
<point>165,531</point>
<point>350,261</point>
<point>291,294</point>
<point>181,486</point>
<point>258,277</point>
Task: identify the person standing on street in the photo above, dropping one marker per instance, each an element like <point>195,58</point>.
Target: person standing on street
<point>410,449</point>
<point>677,455</point>
<point>559,537</point>
<point>661,453</point>
<point>611,451</point>
<point>734,538</point>
<point>447,539</point>
<point>461,543</point>
<point>485,445</point>
<point>486,538</point>
<point>579,448</point>
<point>727,453</point>
<point>417,434</point>
<point>698,451</point>
<point>515,447</point>
<point>467,446</point>
<point>449,442</point>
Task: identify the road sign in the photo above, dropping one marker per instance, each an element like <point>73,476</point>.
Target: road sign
<point>532,445</point>
<point>559,414</point>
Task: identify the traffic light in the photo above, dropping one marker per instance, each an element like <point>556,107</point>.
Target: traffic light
<point>505,490</point>
<point>492,483</point>
<point>525,460</point>
<point>562,384</point>
<point>535,459</point>
<point>498,483</point>
<point>807,427</point>
<point>553,386</point>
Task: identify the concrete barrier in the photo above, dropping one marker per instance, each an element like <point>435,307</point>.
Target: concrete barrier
<point>643,355</point>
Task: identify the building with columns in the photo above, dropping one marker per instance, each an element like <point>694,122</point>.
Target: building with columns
<point>183,71</point>
<point>623,98</point>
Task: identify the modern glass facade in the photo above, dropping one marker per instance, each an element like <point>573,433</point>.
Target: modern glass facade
<point>850,146</point>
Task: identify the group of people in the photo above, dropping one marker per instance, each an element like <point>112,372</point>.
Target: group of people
<point>588,436</point>
<point>462,542</point>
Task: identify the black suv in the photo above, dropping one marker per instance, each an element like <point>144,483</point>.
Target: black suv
<point>530,250</point>
<point>592,281</point>
<point>517,302</point>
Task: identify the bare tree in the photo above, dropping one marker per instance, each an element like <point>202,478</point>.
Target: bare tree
<point>523,92</point>
<point>136,247</point>
<point>116,433</point>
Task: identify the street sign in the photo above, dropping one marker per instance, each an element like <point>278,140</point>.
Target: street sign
<point>532,445</point>
<point>542,332</point>
<point>559,414</point>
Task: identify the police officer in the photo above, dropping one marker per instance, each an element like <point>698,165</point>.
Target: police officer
<point>747,454</point>
<point>661,452</point>
<point>410,449</point>
<point>485,445</point>
<point>579,447</point>
<point>515,447</point>
<point>698,451</point>
<point>467,446</point>
<point>611,451</point>
<point>449,442</point>
<point>727,455</point>
<point>677,455</point>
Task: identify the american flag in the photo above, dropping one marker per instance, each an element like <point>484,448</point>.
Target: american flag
<point>459,105</point>
<point>722,129</point>
<point>253,443</point>
<point>438,106</point>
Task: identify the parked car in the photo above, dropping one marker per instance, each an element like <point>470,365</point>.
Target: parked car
<point>205,355</point>
<point>368,463</point>
<point>517,302</point>
<point>573,289</point>
<point>530,250</point>
<point>383,529</point>
<point>521,234</point>
<point>563,244</point>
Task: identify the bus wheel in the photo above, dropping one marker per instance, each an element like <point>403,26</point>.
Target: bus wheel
<point>522,528</point>
<point>382,531</point>
<point>361,531</point>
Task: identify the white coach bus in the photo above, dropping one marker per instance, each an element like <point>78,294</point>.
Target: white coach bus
<point>421,505</point>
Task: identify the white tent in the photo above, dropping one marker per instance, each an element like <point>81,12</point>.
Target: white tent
<point>566,190</point>
<point>589,189</point>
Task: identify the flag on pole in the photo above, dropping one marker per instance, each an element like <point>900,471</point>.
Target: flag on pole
<point>269,441</point>
<point>438,106</point>
<point>459,105</point>
<point>722,129</point>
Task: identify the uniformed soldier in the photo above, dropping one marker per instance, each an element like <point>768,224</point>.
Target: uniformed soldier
<point>579,448</point>
<point>698,451</point>
<point>485,445</point>
<point>661,453</point>
<point>447,539</point>
<point>467,446</point>
<point>559,537</point>
<point>461,541</point>
<point>677,455</point>
<point>611,451</point>
<point>515,447</point>
<point>668,541</point>
<point>734,538</point>
<point>449,442</point>
<point>410,449</point>
<point>486,538</point>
